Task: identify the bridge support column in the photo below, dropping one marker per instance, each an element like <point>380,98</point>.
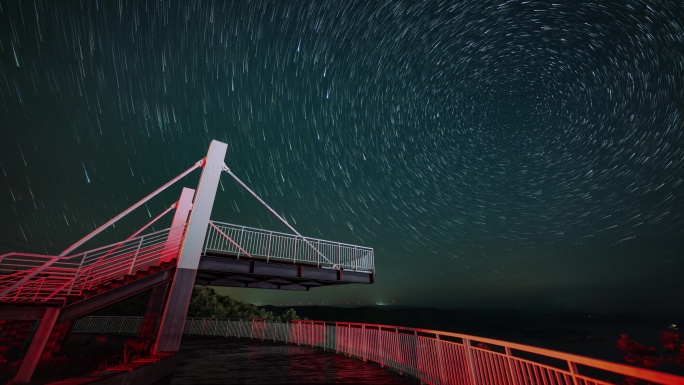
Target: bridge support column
<point>157,301</point>
<point>148,328</point>
<point>173,320</point>
<point>28,366</point>
<point>56,340</point>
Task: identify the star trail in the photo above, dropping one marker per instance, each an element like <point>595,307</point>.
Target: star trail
<point>518,154</point>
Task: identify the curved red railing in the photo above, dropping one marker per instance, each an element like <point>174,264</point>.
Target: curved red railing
<point>431,356</point>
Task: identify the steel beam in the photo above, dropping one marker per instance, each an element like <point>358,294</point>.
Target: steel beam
<point>21,312</point>
<point>98,301</point>
<point>28,365</point>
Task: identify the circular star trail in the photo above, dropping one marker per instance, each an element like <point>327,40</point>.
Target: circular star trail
<point>494,153</point>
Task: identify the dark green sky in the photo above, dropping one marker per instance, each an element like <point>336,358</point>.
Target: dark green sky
<point>506,154</point>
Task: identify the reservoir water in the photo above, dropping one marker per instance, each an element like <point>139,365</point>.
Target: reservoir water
<point>217,360</point>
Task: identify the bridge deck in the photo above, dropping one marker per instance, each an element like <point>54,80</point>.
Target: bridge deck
<point>233,255</point>
<point>226,269</point>
<point>241,256</point>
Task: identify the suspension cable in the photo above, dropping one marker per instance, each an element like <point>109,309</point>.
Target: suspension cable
<point>230,239</point>
<point>226,169</point>
<point>85,239</point>
<point>158,217</point>
<point>110,252</point>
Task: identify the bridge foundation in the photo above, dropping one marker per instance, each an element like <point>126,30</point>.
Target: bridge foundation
<point>148,328</point>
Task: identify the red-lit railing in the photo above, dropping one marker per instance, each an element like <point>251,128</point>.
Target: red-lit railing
<point>52,279</point>
<point>431,356</point>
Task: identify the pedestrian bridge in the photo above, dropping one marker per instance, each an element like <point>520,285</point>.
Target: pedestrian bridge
<point>241,256</point>
<point>232,255</point>
<point>58,289</point>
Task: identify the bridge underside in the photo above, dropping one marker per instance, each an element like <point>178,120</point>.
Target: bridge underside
<point>82,307</point>
<point>227,270</point>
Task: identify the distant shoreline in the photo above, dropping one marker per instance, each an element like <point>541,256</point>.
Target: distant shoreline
<point>588,334</point>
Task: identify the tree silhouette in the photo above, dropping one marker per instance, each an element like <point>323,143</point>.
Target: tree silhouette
<point>672,350</point>
<point>206,302</point>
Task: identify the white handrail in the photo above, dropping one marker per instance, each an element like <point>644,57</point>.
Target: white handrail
<point>287,234</point>
<point>221,238</point>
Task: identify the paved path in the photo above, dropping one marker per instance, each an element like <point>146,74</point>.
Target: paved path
<point>228,361</point>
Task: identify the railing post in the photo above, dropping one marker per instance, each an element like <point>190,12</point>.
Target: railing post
<point>268,246</point>
<point>511,366</point>
<point>16,294</point>
<point>365,344</point>
<point>318,258</point>
<point>218,242</point>
<point>417,360</point>
<point>78,271</point>
<point>135,257</point>
<point>242,237</point>
<point>440,359</point>
<point>469,358</point>
<point>299,333</point>
<point>312,331</point>
<point>399,359</point>
<point>573,372</point>
<point>207,240</point>
<point>40,287</point>
<point>294,255</point>
<point>339,255</point>
<point>356,259</point>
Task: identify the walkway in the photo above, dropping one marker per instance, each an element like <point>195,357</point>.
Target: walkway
<point>207,360</point>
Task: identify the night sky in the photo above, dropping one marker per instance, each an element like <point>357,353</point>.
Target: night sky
<point>509,154</point>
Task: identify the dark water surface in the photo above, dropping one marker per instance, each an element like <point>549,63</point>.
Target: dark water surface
<point>218,360</point>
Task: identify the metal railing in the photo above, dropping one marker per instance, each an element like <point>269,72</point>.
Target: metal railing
<point>108,325</point>
<point>433,357</point>
<point>247,242</point>
<point>46,278</point>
